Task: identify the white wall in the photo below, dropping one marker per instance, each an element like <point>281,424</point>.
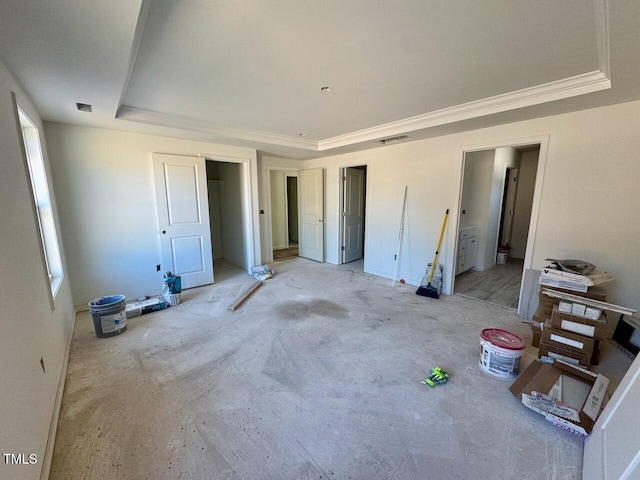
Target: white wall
<point>29,328</point>
<point>505,158</point>
<point>232,218</point>
<point>108,211</point>
<point>524,201</point>
<point>215,218</point>
<point>476,197</point>
<point>278,209</point>
<point>587,206</point>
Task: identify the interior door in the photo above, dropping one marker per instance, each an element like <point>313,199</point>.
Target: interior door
<point>353,214</point>
<point>311,208</point>
<point>183,214</point>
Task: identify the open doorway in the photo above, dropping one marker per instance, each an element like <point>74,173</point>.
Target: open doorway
<point>284,213</point>
<point>495,215</point>
<point>353,203</point>
<point>227,217</point>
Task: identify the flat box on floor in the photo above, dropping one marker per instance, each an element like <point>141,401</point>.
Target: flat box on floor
<point>568,340</point>
<point>540,377</point>
<point>579,324</point>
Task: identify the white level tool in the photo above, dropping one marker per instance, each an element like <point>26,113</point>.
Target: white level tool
<point>589,301</point>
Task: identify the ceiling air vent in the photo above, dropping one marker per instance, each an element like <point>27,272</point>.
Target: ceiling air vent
<point>83,107</point>
<point>399,138</point>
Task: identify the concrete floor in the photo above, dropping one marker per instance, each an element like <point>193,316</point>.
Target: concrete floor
<point>317,375</point>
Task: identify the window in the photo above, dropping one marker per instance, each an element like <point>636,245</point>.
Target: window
<point>43,207</point>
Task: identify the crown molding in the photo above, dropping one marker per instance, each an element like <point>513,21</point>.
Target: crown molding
<point>149,117</point>
<point>548,92</point>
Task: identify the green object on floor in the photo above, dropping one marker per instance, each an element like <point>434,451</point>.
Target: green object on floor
<point>437,376</point>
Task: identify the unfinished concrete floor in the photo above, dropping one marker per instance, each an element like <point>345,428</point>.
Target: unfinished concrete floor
<point>317,375</point>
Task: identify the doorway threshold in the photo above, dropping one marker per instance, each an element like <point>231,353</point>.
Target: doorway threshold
<point>486,301</point>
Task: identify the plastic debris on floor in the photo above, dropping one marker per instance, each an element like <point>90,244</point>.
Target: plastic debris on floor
<point>437,376</point>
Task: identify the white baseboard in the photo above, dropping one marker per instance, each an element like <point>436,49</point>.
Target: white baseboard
<point>53,427</point>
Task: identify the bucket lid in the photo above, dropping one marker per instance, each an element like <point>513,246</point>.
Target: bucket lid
<point>106,301</point>
<point>503,338</point>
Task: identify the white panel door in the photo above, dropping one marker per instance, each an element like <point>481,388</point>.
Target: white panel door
<point>183,214</point>
<point>311,208</point>
<point>353,215</point>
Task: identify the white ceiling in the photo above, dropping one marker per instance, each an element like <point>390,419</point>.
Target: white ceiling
<point>249,72</point>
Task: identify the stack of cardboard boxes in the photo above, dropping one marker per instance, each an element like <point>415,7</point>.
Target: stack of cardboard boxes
<point>570,331</point>
<point>567,329</point>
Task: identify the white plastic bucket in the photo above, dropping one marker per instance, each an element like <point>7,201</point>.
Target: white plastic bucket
<point>172,299</point>
<point>500,352</point>
<point>501,258</point>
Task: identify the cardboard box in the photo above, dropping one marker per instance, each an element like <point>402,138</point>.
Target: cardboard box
<point>579,324</point>
<point>535,337</point>
<point>594,293</point>
<point>568,341</point>
<point>545,309</point>
<point>556,379</point>
<point>557,352</point>
<point>140,307</point>
<point>565,306</point>
<point>573,281</point>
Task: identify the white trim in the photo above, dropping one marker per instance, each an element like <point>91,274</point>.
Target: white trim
<point>268,224</point>
<point>543,142</point>
<point>548,92</point>
<point>57,405</point>
<point>287,176</point>
<point>139,115</point>
<point>341,193</point>
<point>143,13</point>
<point>559,89</point>
<point>601,8</point>
<point>252,223</point>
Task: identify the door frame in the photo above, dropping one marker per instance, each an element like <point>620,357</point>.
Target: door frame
<point>249,182</point>
<point>267,224</point>
<point>543,141</point>
<point>287,176</point>
<point>341,192</point>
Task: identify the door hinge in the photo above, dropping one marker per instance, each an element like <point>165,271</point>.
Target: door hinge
<point>344,179</point>
<point>343,249</point>
<point>344,214</point>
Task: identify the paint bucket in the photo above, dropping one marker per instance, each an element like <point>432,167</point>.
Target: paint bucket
<point>172,299</point>
<point>500,352</point>
<point>109,315</point>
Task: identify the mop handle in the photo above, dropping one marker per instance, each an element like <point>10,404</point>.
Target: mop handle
<point>435,257</point>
